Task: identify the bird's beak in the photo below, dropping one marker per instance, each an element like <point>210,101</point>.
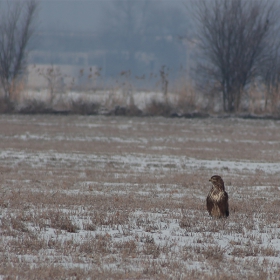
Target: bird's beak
<point>210,180</point>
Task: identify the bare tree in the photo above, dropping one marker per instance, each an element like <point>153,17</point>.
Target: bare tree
<point>270,75</point>
<point>233,36</point>
<point>16,30</point>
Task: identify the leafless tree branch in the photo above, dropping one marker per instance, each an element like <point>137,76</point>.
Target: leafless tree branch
<point>233,37</point>
<point>16,30</point>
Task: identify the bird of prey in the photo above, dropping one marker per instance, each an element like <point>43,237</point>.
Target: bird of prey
<point>217,199</point>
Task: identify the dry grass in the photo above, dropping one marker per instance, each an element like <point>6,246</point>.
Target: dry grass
<point>124,198</point>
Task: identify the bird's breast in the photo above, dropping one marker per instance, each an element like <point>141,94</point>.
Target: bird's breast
<point>216,195</point>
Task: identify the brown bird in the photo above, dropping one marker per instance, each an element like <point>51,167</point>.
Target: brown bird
<point>217,199</point>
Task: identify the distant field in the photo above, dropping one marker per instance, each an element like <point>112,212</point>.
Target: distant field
<point>124,198</point>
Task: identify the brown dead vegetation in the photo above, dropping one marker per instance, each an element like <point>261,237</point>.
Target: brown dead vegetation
<point>106,197</point>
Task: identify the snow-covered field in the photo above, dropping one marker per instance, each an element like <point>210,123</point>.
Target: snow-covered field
<point>124,198</point>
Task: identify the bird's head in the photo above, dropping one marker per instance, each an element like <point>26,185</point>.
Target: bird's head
<point>217,182</point>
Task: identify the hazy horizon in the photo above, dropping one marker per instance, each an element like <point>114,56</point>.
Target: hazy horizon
<point>118,35</point>
<point>81,15</point>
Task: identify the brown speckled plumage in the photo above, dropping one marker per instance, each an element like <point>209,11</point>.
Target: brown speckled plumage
<point>217,199</point>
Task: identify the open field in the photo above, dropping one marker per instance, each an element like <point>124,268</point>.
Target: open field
<point>124,198</point>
